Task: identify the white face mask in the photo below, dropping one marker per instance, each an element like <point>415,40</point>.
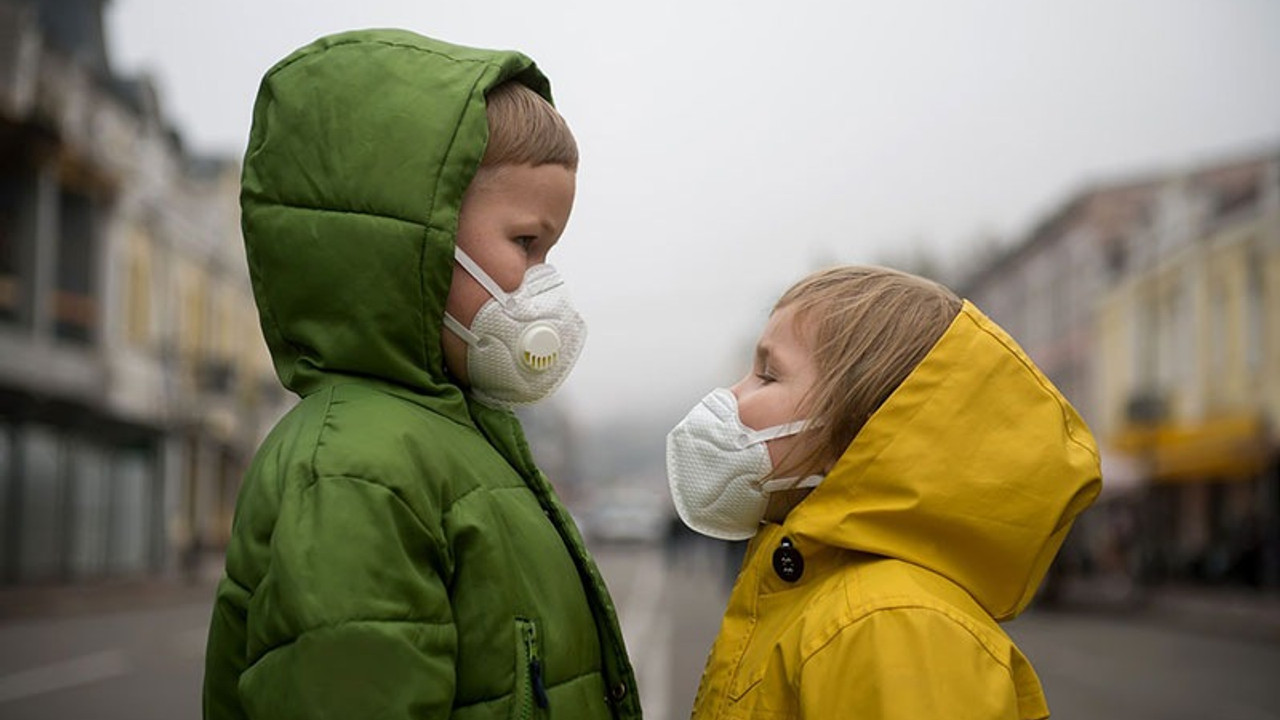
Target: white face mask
<point>716,468</point>
<point>521,345</point>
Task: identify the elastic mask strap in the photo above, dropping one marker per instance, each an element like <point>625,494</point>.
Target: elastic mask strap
<point>791,483</point>
<point>461,330</point>
<point>474,270</point>
<point>755,437</point>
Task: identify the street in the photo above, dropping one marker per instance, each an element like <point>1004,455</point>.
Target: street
<point>124,665</point>
<point>1096,667</point>
<point>146,663</point>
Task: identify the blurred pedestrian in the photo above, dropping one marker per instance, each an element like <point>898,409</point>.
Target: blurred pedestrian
<point>906,475</point>
<point>396,553</point>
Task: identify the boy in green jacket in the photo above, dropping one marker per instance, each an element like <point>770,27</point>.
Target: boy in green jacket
<point>395,552</point>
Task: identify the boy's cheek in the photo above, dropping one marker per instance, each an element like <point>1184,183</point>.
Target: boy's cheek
<point>779,448</point>
<point>466,297</point>
<point>455,357</point>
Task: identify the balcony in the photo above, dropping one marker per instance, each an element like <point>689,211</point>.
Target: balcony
<point>216,376</point>
<point>75,316</point>
<point>1146,408</point>
<point>10,298</point>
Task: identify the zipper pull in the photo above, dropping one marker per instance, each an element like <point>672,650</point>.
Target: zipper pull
<point>539,687</point>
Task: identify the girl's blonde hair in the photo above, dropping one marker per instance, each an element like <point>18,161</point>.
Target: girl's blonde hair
<point>524,129</point>
<point>869,328</point>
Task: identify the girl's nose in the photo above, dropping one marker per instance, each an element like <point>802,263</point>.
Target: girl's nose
<point>738,387</point>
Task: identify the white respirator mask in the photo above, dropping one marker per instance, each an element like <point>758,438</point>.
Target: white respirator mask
<point>716,467</point>
<point>521,345</point>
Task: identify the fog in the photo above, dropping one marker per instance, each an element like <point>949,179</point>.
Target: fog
<point>730,147</point>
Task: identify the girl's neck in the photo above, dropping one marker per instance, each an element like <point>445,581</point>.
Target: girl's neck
<point>782,502</point>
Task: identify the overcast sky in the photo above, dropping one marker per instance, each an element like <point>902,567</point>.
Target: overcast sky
<point>731,146</point>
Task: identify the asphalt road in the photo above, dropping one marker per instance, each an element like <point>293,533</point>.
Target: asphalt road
<point>1092,666</point>
<point>146,663</point>
<point>133,665</point>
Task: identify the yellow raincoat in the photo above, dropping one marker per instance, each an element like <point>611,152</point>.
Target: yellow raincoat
<point>879,595</point>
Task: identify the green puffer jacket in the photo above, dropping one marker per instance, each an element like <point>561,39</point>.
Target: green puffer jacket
<point>395,551</point>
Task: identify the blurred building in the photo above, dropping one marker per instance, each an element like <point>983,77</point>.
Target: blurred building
<point>1154,304</point>
<point>1191,370</point>
<point>134,384</point>
<point>1044,291</point>
<point>554,442</point>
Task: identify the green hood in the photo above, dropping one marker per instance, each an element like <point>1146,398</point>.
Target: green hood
<point>391,559</point>
<point>362,146</point>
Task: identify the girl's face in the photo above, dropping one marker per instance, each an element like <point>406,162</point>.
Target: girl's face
<point>780,377</point>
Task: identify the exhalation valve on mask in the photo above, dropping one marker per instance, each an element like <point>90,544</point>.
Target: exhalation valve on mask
<point>540,346</point>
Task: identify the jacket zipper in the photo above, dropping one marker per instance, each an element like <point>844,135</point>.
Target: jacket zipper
<point>534,693</point>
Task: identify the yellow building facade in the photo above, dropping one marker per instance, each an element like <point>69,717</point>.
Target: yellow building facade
<point>134,382</point>
<point>1189,373</point>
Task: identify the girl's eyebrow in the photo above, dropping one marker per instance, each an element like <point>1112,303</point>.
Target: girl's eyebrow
<point>765,356</point>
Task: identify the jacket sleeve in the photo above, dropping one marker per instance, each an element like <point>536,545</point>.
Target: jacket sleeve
<point>352,619</point>
<point>906,664</point>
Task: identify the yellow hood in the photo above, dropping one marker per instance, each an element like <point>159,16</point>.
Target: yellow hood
<point>974,468</point>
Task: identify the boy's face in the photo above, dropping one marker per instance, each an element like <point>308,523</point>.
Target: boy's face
<point>511,217</point>
<point>782,373</point>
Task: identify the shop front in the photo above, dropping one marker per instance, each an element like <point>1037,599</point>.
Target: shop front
<point>1210,507</point>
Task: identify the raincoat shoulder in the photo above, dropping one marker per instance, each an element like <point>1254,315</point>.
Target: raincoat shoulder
<point>860,636</point>
<point>919,646</point>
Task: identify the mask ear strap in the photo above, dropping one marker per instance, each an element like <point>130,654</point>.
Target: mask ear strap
<point>791,483</point>
<point>474,270</point>
<point>461,330</point>
<point>755,437</point>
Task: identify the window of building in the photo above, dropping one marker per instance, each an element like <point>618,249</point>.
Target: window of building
<point>8,473</point>
<point>192,330</point>
<point>17,192</point>
<point>1217,338</point>
<point>1143,326</point>
<point>1231,200</point>
<point>217,373</point>
<point>74,308</point>
<point>1058,307</point>
<point>138,291</point>
<point>1184,337</point>
<point>1255,302</point>
<point>1117,258</point>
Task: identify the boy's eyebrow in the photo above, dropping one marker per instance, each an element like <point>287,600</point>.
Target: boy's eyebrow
<point>542,222</point>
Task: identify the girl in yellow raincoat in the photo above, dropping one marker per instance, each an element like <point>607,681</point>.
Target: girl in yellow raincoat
<point>906,475</point>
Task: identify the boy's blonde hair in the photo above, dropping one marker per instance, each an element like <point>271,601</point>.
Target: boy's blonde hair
<point>869,328</point>
<point>524,129</point>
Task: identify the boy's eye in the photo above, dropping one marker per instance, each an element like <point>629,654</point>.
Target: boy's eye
<point>526,241</point>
